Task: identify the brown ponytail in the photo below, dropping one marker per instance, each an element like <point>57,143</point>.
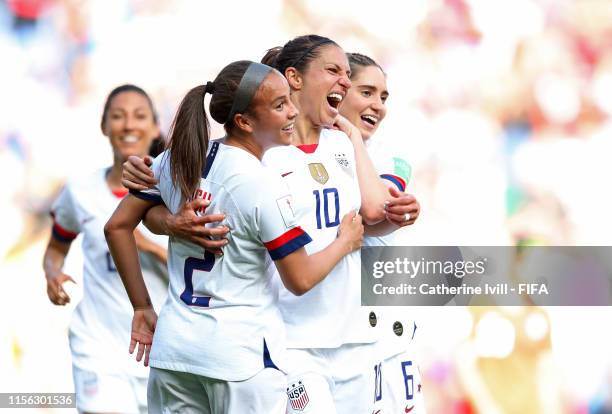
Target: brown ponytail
<point>189,135</point>
<point>190,131</point>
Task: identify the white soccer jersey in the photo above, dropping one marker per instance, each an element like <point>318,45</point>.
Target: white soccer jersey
<point>396,325</point>
<point>323,181</point>
<point>221,318</point>
<point>101,324</point>
<point>397,171</point>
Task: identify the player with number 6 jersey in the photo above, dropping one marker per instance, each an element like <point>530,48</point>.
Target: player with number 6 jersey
<point>395,382</point>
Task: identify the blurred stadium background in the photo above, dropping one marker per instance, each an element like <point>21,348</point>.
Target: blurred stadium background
<point>503,108</point>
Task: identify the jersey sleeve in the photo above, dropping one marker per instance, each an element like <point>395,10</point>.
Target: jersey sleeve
<point>66,223</point>
<point>153,194</point>
<point>394,169</point>
<point>274,217</point>
<point>344,153</point>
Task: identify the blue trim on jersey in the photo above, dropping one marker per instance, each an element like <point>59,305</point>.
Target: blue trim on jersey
<point>210,158</point>
<point>394,180</point>
<point>267,361</point>
<point>289,247</point>
<point>59,237</point>
<point>147,196</point>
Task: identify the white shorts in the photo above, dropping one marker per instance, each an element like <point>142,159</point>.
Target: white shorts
<point>330,380</point>
<point>109,392</point>
<point>396,383</point>
<point>185,393</point>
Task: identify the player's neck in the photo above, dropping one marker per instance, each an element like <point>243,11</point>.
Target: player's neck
<point>248,145</point>
<point>306,132</point>
<point>113,178</point>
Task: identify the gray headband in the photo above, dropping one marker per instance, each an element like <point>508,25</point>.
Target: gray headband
<point>252,78</point>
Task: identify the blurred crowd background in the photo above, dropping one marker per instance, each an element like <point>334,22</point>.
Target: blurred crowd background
<point>503,108</point>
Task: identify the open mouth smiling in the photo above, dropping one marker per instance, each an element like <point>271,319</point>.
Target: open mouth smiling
<point>334,99</point>
<point>370,119</point>
<point>129,139</point>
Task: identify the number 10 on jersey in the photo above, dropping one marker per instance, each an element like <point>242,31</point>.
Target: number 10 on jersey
<point>327,197</point>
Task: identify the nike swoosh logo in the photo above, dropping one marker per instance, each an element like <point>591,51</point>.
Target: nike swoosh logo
<point>286,174</point>
<point>407,410</point>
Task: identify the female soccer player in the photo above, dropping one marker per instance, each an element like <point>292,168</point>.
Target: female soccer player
<point>328,334</point>
<point>219,341</point>
<point>328,337</point>
<point>365,107</point>
<point>105,379</point>
<point>396,379</point>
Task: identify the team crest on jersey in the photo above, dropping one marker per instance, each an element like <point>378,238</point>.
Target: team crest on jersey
<point>298,397</point>
<point>318,172</point>
<point>341,159</point>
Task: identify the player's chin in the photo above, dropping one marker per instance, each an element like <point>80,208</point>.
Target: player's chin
<point>127,151</point>
<point>366,134</point>
<point>327,121</point>
<point>285,137</point>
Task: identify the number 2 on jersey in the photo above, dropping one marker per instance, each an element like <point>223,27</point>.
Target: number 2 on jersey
<point>192,264</point>
<point>327,194</point>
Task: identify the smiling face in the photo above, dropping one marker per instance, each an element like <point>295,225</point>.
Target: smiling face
<point>130,124</point>
<point>324,84</point>
<point>364,104</point>
<point>273,113</point>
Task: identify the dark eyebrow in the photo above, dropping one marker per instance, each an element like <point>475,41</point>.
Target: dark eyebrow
<point>339,67</point>
<point>373,88</point>
<point>138,108</point>
<point>367,86</point>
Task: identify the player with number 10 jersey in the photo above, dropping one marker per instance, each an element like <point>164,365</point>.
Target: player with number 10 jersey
<point>323,179</point>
